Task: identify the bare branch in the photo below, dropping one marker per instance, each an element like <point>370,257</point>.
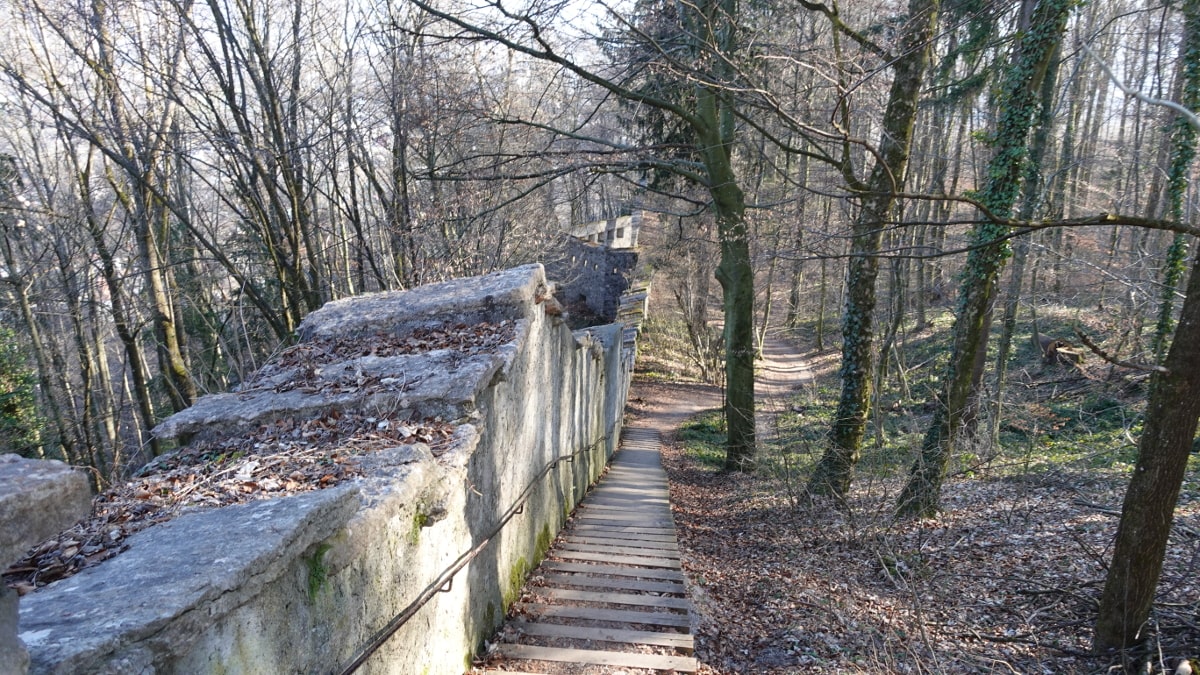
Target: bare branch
<point>1188,115</point>
<point>1144,367</point>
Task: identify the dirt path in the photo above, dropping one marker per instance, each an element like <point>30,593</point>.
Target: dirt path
<point>664,406</point>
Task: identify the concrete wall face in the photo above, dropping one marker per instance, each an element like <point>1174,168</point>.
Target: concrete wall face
<point>312,582</point>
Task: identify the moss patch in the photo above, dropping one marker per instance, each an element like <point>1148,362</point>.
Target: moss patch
<point>703,437</point>
<point>516,579</point>
<point>543,542</point>
<point>318,571</point>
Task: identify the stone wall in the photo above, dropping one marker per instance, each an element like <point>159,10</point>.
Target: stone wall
<point>592,279</point>
<point>37,499</point>
<point>407,568</point>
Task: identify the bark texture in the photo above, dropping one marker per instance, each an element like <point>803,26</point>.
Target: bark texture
<point>835,470</point>
<point>921,495</point>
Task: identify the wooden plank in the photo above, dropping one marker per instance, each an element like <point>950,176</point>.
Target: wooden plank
<point>587,528</point>
<point>615,499</point>
<point>629,513</point>
<point>626,521</point>
<point>628,503</point>
<point>683,664</point>
<point>618,583</point>
<point>667,563</point>
<point>616,615</point>
<point>627,496</point>
<point>624,491</point>
<point>625,507</point>
<point>620,549</point>
<point>682,642</point>
<point>612,570</point>
<point>633,487</point>
<point>612,598</point>
<point>646,514</point>
<point>632,541</point>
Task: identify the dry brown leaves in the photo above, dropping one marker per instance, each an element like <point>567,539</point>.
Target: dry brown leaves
<point>283,458</point>
<point>1006,581</point>
<point>468,338</point>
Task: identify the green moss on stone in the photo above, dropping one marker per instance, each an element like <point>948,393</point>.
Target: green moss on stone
<point>318,571</point>
<point>543,542</point>
<point>516,579</point>
<point>420,519</point>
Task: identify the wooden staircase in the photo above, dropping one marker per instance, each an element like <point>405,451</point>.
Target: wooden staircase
<point>610,594</point>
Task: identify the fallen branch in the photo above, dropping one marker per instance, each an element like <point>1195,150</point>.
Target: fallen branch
<point>1144,367</point>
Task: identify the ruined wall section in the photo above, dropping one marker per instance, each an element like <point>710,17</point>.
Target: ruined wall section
<point>405,569</point>
<point>592,279</point>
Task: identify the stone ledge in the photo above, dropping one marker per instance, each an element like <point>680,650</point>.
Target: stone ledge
<point>146,606</point>
<point>505,295</point>
<point>440,383</point>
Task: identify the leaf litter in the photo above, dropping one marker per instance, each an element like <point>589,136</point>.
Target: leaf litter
<point>1006,580</point>
<point>285,457</point>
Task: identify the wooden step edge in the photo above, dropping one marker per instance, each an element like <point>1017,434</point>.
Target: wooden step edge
<point>682,664</point>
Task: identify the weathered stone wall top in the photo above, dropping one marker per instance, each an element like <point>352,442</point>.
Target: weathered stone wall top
<point>527,413</point>
<point>495,297</point>
<point>37,499</point>
<point>424,351</point>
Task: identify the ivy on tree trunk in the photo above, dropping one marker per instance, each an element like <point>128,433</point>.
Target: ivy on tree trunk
<point>1034,54</point>
<point>1171,413</point>
<point>835,470</point>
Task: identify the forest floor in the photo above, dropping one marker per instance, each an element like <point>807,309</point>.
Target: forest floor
<point>1006,580</point>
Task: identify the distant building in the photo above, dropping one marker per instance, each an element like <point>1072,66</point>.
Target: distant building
<point>599,261</point>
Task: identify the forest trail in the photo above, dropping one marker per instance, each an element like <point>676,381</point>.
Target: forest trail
<point>611,594</point>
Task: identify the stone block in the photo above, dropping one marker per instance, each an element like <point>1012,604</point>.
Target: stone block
<point>145,607</point>
<point>14,659</point>
<point>38,499</point>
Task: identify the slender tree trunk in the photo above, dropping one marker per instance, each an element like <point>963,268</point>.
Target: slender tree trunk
<point>1034,52</point>
<point>1163,451</point>
<point>1030,199</point>
<point>736,276</point>
<point>835,469</point>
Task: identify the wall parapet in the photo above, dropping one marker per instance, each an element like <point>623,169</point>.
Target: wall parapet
<point>409,565</point>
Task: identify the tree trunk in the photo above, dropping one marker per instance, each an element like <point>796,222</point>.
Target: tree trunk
<point>835,469</point>
<point>736,275</point>
<point>1030,199</point>
<point>1033,57</point>
<point>1163,450</point>
<point>1171,417</point>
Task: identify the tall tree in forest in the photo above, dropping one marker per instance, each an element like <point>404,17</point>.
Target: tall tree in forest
<point>1031,191</point>
<point>1183,151</point>
<point>708,114</point>
<point>878,193</point>
<point>19,423</point>
<point>1171,413</point>
<point>1032,57</point>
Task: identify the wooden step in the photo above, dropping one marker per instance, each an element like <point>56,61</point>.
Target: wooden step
<point>672,619</point>
<point>616,583</point>
<point>614,570</point>
<point>683,664</point>
<point>620,548</point>
<point>612,598</point>
<point>582,528</point>
<point>631,560</point>
<point>630,542</point>
<point>682,642</point>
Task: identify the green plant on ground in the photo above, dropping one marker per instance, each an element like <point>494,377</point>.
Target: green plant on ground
<point>703,439</point>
